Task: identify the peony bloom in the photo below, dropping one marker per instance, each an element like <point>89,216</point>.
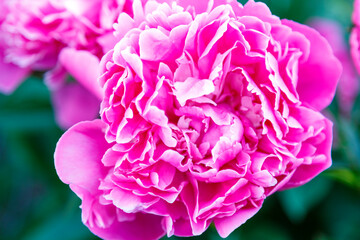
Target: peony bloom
<point>37,31</point>
<point>355,35</point>
<point>62,37</point>
<point>348,85</point>
<point>11,74</point>
<point>207,110</point>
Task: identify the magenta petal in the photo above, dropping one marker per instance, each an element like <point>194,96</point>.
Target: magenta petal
<point>226,225</point>
<point>199,6</point>
<point>355,46</point>
<point>73,104</point>
<point>259,10</point>
<point>144,227</point>
<point>192,88</point>
<point>84,67</point>
<point>125,200</point>
<point>355,36</point>
<point>348,87</point>
<point>55,78</point>
<point>154,45</point>
<point>305,172</point>
<point>79,7</point>
<point>78,155</point>
<point>11,76</point>
<point>356,13</point>
<point>317,78</point>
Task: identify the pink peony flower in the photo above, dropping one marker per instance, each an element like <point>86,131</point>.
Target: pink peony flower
<point>207,111</point>
<point>355,35</point>
<point>37,31</point>
<point>11,75</point>
<point>348,85</point>
<point>62,37</point>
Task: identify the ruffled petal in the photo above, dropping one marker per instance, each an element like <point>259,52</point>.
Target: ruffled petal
<point>317,78</point>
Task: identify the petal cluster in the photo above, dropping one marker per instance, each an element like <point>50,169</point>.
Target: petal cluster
<point>11,74</point>
<point>64,38</point>
<point>207,110</point>
<point>36,31</point>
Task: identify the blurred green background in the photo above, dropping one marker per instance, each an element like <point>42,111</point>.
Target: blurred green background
<point>36,205</point>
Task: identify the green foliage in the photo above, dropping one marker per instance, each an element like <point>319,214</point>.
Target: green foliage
<point>34,204</point>
<point>297,202</point>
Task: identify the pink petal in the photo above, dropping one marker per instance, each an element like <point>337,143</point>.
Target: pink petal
<point>305,172</point>
<point>145,227</point>
<point>317,78</point>
<point>192,88</point>
<point>78,155</point>
<point>228,224</point>
<point>11,76</point>
<point>154,45</point>
<point>349,85</point>
<point>260,10</point>
<point>84,67</point>
<point>73,104</point>
<point>56,77</point>
<point>125,200</point>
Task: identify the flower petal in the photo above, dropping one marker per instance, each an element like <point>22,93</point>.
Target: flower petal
<point>11,76</point>
<point>84,67</point>
<point>73,104</point>
<point>78,155</point>
<point>317,78</point>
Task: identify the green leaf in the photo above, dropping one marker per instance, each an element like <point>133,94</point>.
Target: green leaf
<point>297,202</point>
<point>346,176</point>
<point>341,213</point>
<point>350,141</point>
<point>65,223</point>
